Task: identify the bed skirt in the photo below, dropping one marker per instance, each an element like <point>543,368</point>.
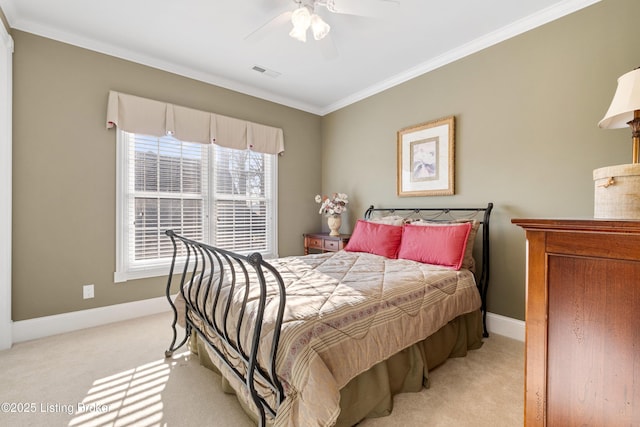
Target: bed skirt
<point>370,394</point>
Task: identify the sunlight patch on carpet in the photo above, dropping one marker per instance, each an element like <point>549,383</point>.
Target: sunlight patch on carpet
<point>131,397</point>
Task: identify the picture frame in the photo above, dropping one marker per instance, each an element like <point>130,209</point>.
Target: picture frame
<point>426,158</point>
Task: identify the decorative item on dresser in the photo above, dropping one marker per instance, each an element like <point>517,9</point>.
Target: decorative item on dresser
<point>330,338</point>
<point>617,187</point>
<point>582,324</point>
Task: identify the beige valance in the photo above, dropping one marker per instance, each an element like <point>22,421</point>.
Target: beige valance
<point>147,116</point>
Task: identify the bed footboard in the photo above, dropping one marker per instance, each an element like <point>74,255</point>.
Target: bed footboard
<point>210,279</point>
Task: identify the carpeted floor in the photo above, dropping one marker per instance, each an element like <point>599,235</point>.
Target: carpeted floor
<point>116,375</point>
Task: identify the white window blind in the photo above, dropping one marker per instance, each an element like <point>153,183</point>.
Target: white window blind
<point>242,200</point>
<point>222,196</point>
<point>169,191</point>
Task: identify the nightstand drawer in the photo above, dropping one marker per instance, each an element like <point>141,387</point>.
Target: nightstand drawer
<point>332,245</point>
<point>323,242</point>
<point>315,243</point>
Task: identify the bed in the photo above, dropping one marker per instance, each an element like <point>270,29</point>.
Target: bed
<point>328,339</point>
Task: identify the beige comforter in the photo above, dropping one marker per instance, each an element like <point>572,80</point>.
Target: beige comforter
<point>345,312</point>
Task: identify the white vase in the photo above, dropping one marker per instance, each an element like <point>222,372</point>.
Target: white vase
<point>334,221</point>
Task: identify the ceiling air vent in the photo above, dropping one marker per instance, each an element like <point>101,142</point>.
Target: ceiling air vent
<point>266,71</point>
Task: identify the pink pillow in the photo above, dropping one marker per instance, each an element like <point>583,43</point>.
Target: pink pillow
<point>439,244</point>
<point>374,238</point>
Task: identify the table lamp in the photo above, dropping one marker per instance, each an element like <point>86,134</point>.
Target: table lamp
<point>617,188</point>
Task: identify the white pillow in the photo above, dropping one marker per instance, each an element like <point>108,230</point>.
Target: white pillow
<point>389,220</point>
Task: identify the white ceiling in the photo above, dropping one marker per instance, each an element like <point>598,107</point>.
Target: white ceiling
<point>206,40</point>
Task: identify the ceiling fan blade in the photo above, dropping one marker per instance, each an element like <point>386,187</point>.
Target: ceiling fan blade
<point>371,8</point>
<point>268,27</point>
<point>328,47</point>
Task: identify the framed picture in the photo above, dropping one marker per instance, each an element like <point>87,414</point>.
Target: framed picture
<point>426,159</point>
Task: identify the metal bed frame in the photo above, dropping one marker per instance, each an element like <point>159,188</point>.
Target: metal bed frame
<point>221,264</point>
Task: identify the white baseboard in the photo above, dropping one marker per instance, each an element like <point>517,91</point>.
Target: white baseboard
<point>505,326</point>
<point>25,330</point>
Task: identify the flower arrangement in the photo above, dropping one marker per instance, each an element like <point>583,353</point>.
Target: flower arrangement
<point>332,205</point>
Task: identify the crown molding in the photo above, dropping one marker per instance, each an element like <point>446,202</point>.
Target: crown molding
<point>514,29</point>
<point>528,23</point>
<point>153,62</point>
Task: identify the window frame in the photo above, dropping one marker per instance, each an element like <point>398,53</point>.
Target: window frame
<point>128,269</point>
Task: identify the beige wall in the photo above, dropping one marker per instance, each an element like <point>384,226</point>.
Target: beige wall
<point>64,170</point>
<point>527,138</point>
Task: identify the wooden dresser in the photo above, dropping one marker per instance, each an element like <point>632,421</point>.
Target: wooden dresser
<point>582,364</point>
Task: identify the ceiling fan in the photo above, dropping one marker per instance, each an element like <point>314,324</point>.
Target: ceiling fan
<point>304,16</point>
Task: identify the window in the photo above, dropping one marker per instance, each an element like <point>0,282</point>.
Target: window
<point>222,196</point>
<point>241,203</point>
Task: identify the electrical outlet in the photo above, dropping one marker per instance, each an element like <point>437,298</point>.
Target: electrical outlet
<point>87,291</point>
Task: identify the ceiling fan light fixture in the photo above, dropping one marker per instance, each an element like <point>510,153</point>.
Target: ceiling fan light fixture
<point>301,17</point>
<point>299,33</point>
<point>319,27</point>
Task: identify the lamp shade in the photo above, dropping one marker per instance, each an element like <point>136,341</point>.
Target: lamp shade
<point>299,33</point>
<point>625,101</point>
<point>301,19</point>
<point>319,27</point>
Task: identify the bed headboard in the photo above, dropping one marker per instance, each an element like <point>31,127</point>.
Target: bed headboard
<point>482,215</point>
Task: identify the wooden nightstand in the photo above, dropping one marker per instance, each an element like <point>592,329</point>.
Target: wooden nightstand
<point>324,243</point>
